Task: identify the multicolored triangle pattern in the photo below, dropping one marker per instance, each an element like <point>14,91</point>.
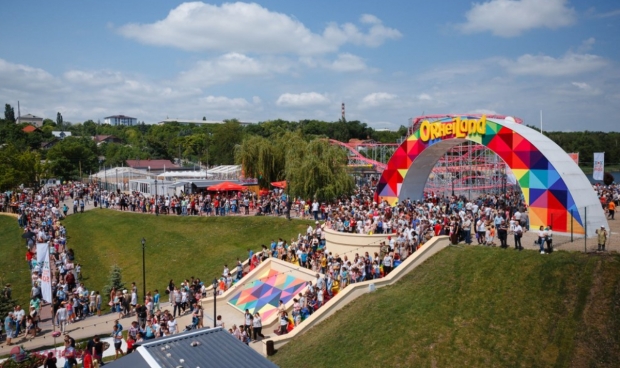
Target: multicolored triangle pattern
<point>550,202</point>
<point>264,293</point>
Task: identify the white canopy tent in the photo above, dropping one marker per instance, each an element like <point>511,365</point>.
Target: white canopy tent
<point>119,177</point>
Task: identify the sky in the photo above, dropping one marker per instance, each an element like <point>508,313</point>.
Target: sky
<point>388,61</point>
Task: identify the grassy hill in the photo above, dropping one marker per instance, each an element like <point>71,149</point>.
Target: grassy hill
<point>176,247</point>
<point>13,266</point>
<point>477,307</point>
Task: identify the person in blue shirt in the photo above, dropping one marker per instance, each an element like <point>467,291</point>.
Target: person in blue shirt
<point>156,300</point>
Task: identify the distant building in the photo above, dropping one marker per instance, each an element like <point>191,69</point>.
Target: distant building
<point>197,122</point>
<point>120,120</point>
<point>61,134</point>
<point>106,139</point>
<point>153,165</point>
<point>30,129</point>
<point>30,119</point>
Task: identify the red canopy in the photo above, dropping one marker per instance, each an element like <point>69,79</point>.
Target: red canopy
<point>263,192</point>
<point>279,184</point>
<point>226,186</point>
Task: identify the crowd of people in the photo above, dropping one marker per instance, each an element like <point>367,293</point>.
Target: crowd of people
<point>39,214</point>
<point>408,224</point>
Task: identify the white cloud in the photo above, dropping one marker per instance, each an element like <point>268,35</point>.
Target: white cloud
<point>581,85</point>
<point>96,78</point>
<point>304,99</point>
<point>229,67</point>
<point>23,76</point>
<point>424,97</point>
<point>542,65</point>
<point>369,19</point>
<point>378,99</point>
<point>347,63</point>
<point>509,18</point>
<point>586,45</point>
<point>221,102</point>
<point>249,27</point>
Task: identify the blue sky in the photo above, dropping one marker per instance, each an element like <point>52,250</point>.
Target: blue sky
<point>388,61</point>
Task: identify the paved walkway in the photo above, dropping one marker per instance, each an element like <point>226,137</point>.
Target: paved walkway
<point>85,328</point>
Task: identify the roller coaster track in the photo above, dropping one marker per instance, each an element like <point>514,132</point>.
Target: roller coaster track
<point>356,158</point>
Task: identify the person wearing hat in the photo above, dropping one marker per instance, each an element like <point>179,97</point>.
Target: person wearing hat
<point>602,238</point>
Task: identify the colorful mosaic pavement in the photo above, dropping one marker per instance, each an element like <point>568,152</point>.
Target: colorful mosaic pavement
<point>265,292</point>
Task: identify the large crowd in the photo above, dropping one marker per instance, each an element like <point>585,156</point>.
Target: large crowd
<point>409,224</point>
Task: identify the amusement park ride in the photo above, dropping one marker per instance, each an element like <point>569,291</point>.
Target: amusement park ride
<point>467,169</point>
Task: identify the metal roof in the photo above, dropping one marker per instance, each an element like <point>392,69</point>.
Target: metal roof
<point>133,360</point>
<point>213,347</point>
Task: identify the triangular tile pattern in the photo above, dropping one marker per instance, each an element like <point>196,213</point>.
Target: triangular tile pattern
<point>264,293</point>
<point>543,188</point>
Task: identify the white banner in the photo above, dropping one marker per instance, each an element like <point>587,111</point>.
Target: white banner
<point>599,165</point>
<point>43,260</point>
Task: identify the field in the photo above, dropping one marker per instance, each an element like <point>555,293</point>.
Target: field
<point>477,307</point>
<point>176,247</point>
<point>13,266</point>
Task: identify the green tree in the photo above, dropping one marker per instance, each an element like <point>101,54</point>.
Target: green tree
<point>59,120</point>
<point>313,169</point>
<point>225,138</point>
<point>71,156</point>
<point>115,280</point>
<point>265,159</point>
<point>9,113</point>
<point>318,170</point>
<point>20,167</point>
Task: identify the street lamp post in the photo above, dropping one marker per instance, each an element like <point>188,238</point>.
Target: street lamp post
<point>214,302</point>
<point>143,270</point>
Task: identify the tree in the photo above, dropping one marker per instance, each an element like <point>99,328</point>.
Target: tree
<point>19,167</point>
<point>225,138</point>
<point>115,280</point>
<point>318,170</point>
<point>71,156</point>
<point>59,120</point>
<point>265,159</point>
<point>9,113</point>
<point>313,169</point>
<point>204,118</point>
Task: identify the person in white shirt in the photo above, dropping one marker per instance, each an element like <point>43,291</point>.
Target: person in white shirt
<point>518,233</point>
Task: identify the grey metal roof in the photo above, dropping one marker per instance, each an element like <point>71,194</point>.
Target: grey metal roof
<point>213,347</point>
<point>133,360</point>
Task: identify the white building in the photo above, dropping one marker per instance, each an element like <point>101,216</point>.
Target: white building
<point>120,120</point>
<point>30,119</point>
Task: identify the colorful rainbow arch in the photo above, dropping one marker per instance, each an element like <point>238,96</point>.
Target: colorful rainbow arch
<point>553,185</point>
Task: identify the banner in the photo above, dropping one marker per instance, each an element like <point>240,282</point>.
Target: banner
<point>599,165</point>
<point>43,260</point>
<point>575,157</point>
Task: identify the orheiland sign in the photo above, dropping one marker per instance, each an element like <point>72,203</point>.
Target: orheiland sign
<point>457,128</point>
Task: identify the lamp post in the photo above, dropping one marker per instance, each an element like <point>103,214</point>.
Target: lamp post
<point>143,270</point>
<point>214,302</point>
<point>156,199</point>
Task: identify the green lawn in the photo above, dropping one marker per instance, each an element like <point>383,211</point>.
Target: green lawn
<point>176,247</point>
<point>13,266</point>
<point>477,307</point>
